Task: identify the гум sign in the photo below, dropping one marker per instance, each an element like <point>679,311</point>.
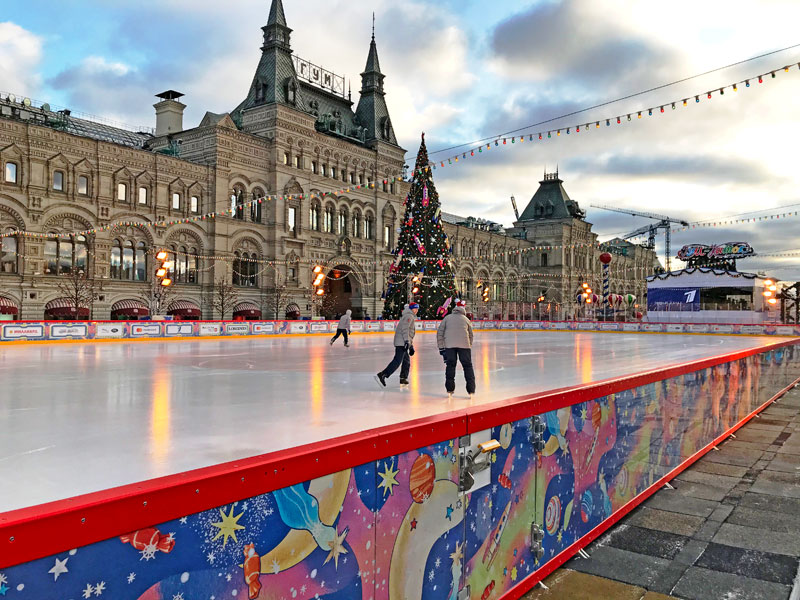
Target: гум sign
<point>726,250</point>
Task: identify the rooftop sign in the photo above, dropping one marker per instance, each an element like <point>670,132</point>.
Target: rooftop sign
<point>728,250</point>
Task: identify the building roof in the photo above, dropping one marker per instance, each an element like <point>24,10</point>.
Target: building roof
<point>64,120</point>
<point>473,223</point>
<point>551,201</point>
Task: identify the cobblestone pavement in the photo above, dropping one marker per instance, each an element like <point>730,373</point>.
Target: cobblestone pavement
<point>730,529</point>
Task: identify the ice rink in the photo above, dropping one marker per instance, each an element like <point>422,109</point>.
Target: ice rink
<point>78,418</point>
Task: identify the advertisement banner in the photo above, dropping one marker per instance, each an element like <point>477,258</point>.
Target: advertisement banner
<point>149,330</point>
<point>109,330</point>
<point>609,326</point>
<point>753,329</point>
<point>692,328</point>
<point>431,325</point>
<point>63,332</point>
<point>631,327</point>
<point>298,327</point>
<point>489,324</point>
<point>354,326</point>
<point>178,329</point>
<point>210,329</point>
<point>23,332</point>
<point>237,328</point>
<point>652,327</point>
<point>508,325</point>
<point>531,325</point>
<point>722,328</point>
<point>373,326</point>
<point>389,325</point>
<point>674,328</point>
<point>672,299</point>
<point>319,327</point>
<point>586,326</point>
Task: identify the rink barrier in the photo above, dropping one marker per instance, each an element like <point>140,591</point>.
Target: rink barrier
<point>50,331</point>
<point>608,445</point>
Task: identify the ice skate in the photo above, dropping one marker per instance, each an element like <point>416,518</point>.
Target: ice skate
<point>450,396</point>
<point>347,345</point>
<point>332,342</point>
<point>404,384</point>
<point>381,379</point>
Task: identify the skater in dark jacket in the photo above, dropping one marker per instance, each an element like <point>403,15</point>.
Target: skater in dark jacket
<point>454,338</point>
<point>403,346</point>
<point>343,329</point>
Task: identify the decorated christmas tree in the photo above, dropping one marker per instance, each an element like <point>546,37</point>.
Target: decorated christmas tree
<point>422,271</point>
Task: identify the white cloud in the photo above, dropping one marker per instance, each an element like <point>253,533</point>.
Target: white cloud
<point>20,55</point>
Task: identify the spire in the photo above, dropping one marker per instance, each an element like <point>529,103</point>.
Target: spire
<point>373,66</point>
<point>276,16</point>
<point>372,112</point>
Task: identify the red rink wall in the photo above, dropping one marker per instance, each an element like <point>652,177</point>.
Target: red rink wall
<point>379,514</point>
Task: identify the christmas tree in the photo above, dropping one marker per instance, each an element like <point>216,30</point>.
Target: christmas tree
<point>422,271</point>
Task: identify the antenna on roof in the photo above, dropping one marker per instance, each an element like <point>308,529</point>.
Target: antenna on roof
<point>373,26</point>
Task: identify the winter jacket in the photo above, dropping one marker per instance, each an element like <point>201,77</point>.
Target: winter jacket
<point>344,322</point>
<point>406,328</point>
<point>455,330</point>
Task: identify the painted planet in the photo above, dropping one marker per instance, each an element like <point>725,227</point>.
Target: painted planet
<point>506,431</point>
<point>423,473</point>
<point>622,481</point>
<point>597,416</point>
<point>587,506</point>
<point>552,516</point>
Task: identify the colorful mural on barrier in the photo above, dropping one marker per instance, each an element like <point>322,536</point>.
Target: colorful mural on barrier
<point>399,529</point>
<point>110,330</point>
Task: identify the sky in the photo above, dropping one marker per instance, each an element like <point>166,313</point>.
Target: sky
<point>466,70</point>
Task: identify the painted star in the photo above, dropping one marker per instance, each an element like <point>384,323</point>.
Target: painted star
<point>388,479</point>
<point>560,535</point>
<point>59,568</point>
<point>449,510</point>
<point>458,554</point>
<point>337,548</point>
<point>131,577</point>
<point>228,526</point>
<point>413,524</point>
<point>514,574</point>
<point>100,588</point>
<point>183,520</point>
<point>3,589</point>
<point>87,593</point>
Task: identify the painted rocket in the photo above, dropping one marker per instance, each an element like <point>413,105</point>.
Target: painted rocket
<point>494,543</point>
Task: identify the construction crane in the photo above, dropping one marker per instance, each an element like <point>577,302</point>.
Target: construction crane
<point>651,230</point>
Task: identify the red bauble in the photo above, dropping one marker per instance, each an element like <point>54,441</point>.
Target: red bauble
<point>605,258</point>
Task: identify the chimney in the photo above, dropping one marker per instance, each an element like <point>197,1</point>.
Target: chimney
<point>169,113</point>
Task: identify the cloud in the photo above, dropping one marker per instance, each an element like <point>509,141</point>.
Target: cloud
<point>20,55</point>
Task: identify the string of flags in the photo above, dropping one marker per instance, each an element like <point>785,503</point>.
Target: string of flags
<point>585,127</point>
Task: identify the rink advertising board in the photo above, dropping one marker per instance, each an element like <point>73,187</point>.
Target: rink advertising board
<point>17,331</point>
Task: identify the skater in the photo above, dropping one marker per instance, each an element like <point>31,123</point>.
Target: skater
<point>454,338</point>
<point>343,328</point>
<point>403,346</point>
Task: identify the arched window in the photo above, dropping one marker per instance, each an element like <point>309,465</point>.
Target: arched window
<point>544,259</point>
<point>245,269</point>
<point>237,269</point>
<point>194,204</point>
<point>58,181</point>
<point>127,260</point>
<point>238,203</point>
<point>369,227</point>
<point>140,262</point>
<point>192,266</point>
<point>83,185</point>
<point>122,192</point>
<point>176,201</point>
<point>142,195</point>
<point>8,253</point>
<point>62,255</point>
<point>181,265</point>
<point>343,222</point>
<point>357,224</point>
<point>329,219</point>
<point>11,172</point>
<point>255,208</point>
<point>313,217</point>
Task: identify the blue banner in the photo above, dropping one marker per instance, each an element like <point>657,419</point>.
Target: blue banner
<point>673,299</point>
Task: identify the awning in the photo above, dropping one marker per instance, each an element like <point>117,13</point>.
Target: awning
<point>7,306</point>
<point>134,308</point>
<point>184,308</point>
<point>292,308</point>
<point>246,309</point>
<point>63,307</point>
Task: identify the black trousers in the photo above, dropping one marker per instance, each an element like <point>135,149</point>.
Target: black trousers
<point>338,333</point>
<point>451,357</point>
<point>400,358</point>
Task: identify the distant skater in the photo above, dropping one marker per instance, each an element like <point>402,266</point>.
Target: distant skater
<point>454,338</point>
<point>343,328</point>
<point>403,346</point>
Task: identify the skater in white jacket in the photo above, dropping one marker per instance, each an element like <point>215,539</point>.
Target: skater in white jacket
<point>454,338</point>
<point>403,346</point>
<point>343,328</point>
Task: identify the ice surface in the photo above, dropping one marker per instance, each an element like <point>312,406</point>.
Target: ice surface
<point>78,418</point>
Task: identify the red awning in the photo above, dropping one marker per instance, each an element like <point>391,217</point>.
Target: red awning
<point>7,306</point>
<point>246,309</point>
<point>184,308</point>
<point>63,308</point>
<point>133,308</point>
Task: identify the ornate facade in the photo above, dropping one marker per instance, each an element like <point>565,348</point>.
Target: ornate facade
<point>296,136</point>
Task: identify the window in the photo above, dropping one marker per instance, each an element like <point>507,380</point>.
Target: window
<point>65,254</point>
<point>8,254</point>
<point>142,195</point>
<point>176,201</point>
<point>333,172</point>
<point>58,181</point>
<point>286,158</point>
<point>127,261</point>
<point>255,207</point>
<point>11,172</point>
<point>352,177</point>
<point>544,259</point>
<point>391,188</point>
<point>361,180</point>
<point>385,186</point>
<point>83,185</point>
<point>122,192</point>
<point>292,218</point>
<point>313,218</point>
<point>342,223</point>
<point>245,269</point>
<point>238,204</point>
<point>369,182</point>
<point>292,273</point>
<point>357,225</point>
<point>387,233</point>
<point>194,204</point>
<point>328,224</point>
<point>314,167</point>
<point>324,170</point>
<point>344,176</point>
<point>296,162</point>
<point>369,225</point>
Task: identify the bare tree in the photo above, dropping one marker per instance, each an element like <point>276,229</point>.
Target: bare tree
<point>157,297</point>
<point>275,299</point>
<point>78,288</point>
<point>225,297</point>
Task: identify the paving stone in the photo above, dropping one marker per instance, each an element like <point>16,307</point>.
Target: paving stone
<point>733,457</point>
<point>788,463</point>
<point>721,513</point>
<point>719,468</point>
<point>657,596</point>
<point>621,565</point>
<point>746,446</point>
<point>699,490</point>
<point>779,504</point>
<point>747,434</point>
<point>667,579</point>
<point>765,519</point>
<point>704,584</point>
<point>776,483</point>
<point>762,426</point>
<point>712,479</point>
<point>749,563</point>
<point>789,449</point>
<point>757,539</point>
<point>566,584</point>
<point>691,552</point>
<point>707,532</point>
<point>654,542</point>
<point>680,524</point>
<point>778,412</point>
<point>674,501</point>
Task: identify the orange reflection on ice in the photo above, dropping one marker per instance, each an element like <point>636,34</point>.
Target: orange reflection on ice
<point>317,381</point>
<point>160,413</point>
<point>583,356</point>
<point>485,364</point>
